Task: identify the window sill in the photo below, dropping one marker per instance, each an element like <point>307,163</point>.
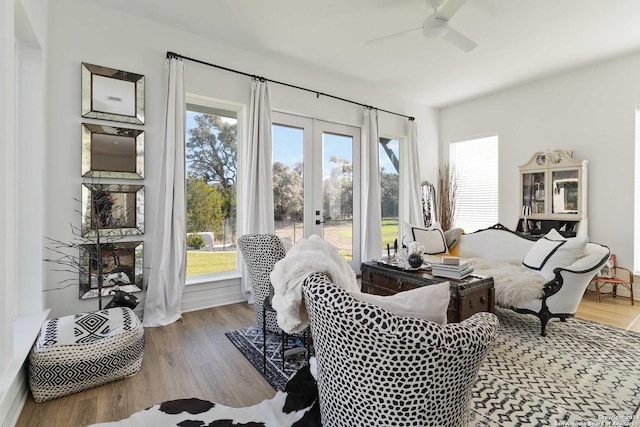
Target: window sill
<point>212,278</point>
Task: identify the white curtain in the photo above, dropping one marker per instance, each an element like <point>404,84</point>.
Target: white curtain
<point>371,211</point>
<point>167,277</point>
<point>410,202</point>
<point>256,200</point>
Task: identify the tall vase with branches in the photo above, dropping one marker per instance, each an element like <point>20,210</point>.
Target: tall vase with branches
<point>447,192</point>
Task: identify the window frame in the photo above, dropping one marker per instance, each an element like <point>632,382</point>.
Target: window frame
<point>452,150</point>
<point>241,116</point>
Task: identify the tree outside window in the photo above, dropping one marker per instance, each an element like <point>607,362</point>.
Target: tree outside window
<point>211,143</point>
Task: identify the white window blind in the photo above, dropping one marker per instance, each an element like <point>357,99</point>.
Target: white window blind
<point>475,165</point>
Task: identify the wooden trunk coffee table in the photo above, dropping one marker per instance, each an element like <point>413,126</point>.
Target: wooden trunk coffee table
<point>468,296</point>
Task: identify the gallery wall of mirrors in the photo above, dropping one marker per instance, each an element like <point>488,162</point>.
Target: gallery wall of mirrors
<point>111,211</point>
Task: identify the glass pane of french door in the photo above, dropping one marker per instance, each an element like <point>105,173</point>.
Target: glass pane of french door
<point>315,177</point>
<point>288,181</point>
<point>337,192</point>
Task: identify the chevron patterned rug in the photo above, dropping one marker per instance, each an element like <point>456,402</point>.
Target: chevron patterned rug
<point>581,374</point>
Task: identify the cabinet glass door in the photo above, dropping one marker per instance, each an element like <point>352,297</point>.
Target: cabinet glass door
<point>565,192</point>
<point>533,190</point>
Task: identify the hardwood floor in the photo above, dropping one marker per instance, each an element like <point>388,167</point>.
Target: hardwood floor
<point>189,358</point>
<point>193,358</point>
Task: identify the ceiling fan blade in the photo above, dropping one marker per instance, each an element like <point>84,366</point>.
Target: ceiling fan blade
<point>391,36</point>
<point>450,8</point>
<point>459,40</point>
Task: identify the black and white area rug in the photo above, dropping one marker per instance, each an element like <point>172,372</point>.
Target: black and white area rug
<point>249,342</point>
<point>581,374</point>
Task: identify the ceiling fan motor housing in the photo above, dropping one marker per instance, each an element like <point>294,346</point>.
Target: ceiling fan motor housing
<point>434,27</point>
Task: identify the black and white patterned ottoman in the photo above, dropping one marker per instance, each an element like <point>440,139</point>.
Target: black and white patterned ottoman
<point>84,350</point>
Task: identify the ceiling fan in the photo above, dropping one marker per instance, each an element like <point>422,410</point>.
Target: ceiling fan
<point>437,25</point>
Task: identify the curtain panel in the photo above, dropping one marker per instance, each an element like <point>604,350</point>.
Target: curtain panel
<point>371,211</point>
<point>257,184</point>
<point>163,298</point>
<point>410,193</point>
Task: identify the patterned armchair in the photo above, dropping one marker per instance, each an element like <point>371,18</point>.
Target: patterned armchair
<point>379,369</point>
<point>260,253</point>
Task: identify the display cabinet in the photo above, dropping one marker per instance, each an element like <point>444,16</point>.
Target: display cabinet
<point>553,194</point>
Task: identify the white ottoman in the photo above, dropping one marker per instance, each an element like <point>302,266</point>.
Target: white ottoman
<point>84,350</point>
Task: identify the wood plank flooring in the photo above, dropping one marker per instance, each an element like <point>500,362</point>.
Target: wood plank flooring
<point>193,358</point>
<point>189,358</point>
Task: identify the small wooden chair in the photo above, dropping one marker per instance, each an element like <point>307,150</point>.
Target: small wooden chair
<point>617,276</point>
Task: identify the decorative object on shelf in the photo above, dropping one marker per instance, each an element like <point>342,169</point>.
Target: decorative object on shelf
<point>111,94</point>
<point>112,152</point>
<point>553,194</point>
<point>114,209</point>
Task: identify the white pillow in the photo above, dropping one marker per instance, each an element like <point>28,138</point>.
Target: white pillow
<point>431,238</point>
<point>552,251</point>
<point>426,302</point>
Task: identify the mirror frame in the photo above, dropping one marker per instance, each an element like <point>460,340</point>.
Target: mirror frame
<point>89,228</point>
<point>89,132</point>
<point>117,251</point>
<point>133,94</point>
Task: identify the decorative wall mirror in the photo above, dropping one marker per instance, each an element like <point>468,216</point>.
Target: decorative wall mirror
<point>111,152</point>
<point>111,94</point>
<point>122,266</point>
<point>112,209</point>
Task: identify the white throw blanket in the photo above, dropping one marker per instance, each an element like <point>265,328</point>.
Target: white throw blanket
<point>514,284</point>
<point>305,257</point>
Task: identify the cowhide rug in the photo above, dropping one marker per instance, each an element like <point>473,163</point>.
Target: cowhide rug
<point>297,406</point>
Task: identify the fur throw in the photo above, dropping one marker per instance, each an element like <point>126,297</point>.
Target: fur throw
<point>297,406</point>
<point>514,284</point>
<point>305,257</point>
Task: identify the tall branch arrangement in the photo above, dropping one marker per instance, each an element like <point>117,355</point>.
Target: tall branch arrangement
<point>447,192</point>
<point>68,255</point>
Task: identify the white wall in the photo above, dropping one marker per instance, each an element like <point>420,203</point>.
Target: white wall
<point>590,111</point>
<point>22,124</point>
<point>82,32</point>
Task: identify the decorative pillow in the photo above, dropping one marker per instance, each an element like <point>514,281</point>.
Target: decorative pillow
<point>427,302</point>
<point>431,238</point>
<point>552,251</point>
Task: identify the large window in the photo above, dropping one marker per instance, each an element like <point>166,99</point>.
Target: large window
<point>211,175</point>
<point>474,165</point>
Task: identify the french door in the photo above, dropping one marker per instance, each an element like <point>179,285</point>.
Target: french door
<point>316,168</point>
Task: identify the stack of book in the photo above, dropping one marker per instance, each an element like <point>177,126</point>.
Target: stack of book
<point>452,268</point>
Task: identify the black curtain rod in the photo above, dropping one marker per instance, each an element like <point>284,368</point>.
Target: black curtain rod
<point>253,76</point>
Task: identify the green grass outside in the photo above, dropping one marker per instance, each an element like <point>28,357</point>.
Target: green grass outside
<point>210,262</point>
<point>390,231</point>
<point>216,262</point>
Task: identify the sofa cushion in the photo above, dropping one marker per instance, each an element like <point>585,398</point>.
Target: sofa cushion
<point>552,251</point>
<point>426,302</point>
<point>431,238</point>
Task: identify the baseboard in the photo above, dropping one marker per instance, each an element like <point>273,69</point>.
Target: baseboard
<point>14,396</point>
<point>207,295</point>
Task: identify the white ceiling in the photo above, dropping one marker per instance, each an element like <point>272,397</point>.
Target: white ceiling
<point>518,40</point>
